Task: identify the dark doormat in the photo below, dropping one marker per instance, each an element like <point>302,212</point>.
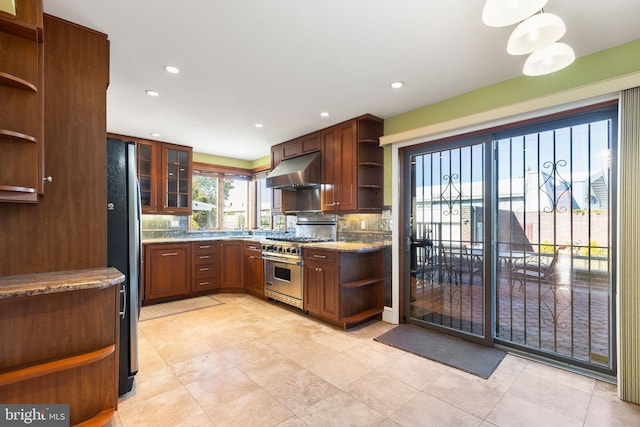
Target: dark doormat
<point>467,356</point>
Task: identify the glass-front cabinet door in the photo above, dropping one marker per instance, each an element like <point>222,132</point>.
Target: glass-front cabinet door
<point>176,177</point>
<point>147,161</point>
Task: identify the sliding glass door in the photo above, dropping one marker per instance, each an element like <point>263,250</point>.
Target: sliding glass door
<point>446,285</point>
<point>554,282</point>
<point>509,238</point>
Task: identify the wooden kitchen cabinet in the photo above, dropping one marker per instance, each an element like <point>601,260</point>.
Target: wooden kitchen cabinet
<point>353,166</point>
<point>60,341</point>
<point>148,178</point>
<point>204,261</point>
<point>339,168</point>
<point>321,277</point>
<point>296,147</point>
<point>164,173</point>
<point>167,271</point>
<point>253,268</point>
<point>303,145</point>
<point>22,106</point>
<point>343,288</point>
<point>176,179</point>
<point>231,268</point>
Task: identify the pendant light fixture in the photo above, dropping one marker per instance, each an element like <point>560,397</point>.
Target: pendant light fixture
<point>501,13</point>
<point>549,60</point>
<point>536,32</point>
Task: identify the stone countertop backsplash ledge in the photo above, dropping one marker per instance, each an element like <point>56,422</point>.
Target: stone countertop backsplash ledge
<point>361,228</point>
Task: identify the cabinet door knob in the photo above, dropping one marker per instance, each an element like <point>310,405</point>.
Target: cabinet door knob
<point>48,179</point>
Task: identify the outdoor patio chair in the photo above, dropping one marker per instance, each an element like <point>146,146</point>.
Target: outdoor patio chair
<point>534,271</point>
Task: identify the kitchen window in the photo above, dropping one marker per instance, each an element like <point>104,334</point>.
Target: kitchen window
<point>229,199</point>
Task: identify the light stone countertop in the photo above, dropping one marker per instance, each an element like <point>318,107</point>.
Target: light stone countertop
<point>161,240</point>
<point>24,285</point>
<point>346,246</point>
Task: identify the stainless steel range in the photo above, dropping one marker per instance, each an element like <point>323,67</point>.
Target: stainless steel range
<point>283,258</point>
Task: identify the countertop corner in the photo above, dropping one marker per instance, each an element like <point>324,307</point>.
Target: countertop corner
<point>24,285</point>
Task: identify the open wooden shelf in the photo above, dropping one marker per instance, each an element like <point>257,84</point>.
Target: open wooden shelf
<point>7,79</point>
<point>55,366</point>
<point>17,135</point>
<point>357,318</point>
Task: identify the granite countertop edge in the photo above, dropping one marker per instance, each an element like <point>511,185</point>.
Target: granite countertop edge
<point>163,240</point>
<point>346,246</point>
<point>24,285</point>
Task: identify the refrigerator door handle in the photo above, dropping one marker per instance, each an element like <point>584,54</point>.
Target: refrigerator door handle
<point>123,298</point>
<point>135,245</point>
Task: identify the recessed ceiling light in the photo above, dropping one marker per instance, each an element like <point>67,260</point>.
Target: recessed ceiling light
<point>171,69</point>
<point>152,92</point>
<point>397,85</point>
<point>259,125</point>
<point>324,114</point>
<point>156,134</point>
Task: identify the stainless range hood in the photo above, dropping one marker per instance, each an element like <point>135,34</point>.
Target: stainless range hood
<point>297,173</point>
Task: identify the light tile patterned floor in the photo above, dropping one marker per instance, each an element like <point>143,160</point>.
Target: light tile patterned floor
<point>253,363</point>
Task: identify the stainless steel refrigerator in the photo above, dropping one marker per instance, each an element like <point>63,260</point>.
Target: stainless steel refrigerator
<point>124,249</point>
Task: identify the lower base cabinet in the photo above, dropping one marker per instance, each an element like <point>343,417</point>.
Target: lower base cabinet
<point>204,274</point>
<point>343,288</point>
<point>167,271</point>
<point>62,348</point>
<point>253,268</point>
<point>231,271</point>
<point>179,270</point>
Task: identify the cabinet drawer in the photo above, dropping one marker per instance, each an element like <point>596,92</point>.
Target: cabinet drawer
<point>204,247</point>
<point>204,270</point>
<point>204,283</point>
<point>318,255</point>
<point>252,248</point>
<point>205,258</point>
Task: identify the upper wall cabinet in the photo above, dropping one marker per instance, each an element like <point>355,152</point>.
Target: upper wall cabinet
<point>296,147</point>
<point>353,166</point>
<point>164,175</point>
<point>22,105</point>
<point>176,179</point>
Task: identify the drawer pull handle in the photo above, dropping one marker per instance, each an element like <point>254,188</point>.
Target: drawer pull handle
<point>320,256</point>
<point>205,247</point>
<point>170,254</point>
<point>253,248</point>
<point>204,269</point>
<point>204,257</point>
<point>205,283</point>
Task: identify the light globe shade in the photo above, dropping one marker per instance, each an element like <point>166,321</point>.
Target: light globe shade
<point>535,33</point>
<point>500,13</point>
<point>549,60</point>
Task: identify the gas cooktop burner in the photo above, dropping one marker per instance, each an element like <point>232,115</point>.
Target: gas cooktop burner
<point>298,239</point>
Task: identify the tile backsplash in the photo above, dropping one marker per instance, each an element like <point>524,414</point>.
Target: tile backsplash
<point>365,228</point>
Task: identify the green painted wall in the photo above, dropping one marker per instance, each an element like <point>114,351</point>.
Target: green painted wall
<point>228,161</point>
<point>599,66</point>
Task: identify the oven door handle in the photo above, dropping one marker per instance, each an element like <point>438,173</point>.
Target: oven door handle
<point>282,261</point>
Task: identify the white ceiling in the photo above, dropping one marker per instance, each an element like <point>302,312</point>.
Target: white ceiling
<point>282,62</point>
